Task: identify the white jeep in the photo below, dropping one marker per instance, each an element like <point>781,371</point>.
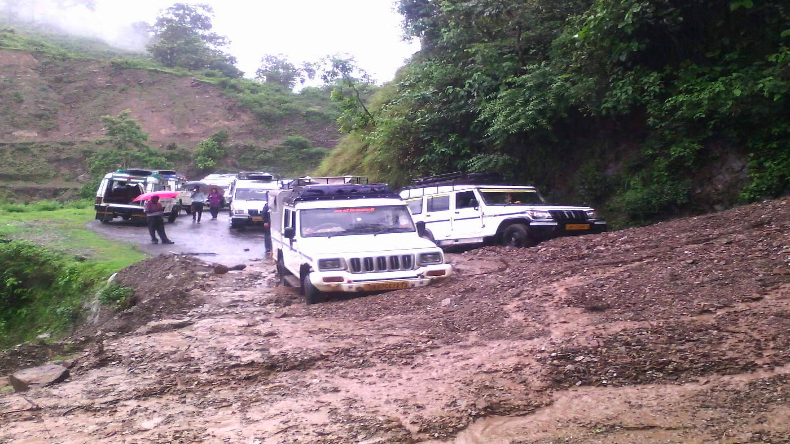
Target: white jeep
<point>248,197</point>
<point>340,234</point>
<point>454,211</point>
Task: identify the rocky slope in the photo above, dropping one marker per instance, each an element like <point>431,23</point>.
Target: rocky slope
<point>675,332</point>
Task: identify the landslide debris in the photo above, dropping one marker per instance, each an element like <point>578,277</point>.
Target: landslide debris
<point>676,332</point>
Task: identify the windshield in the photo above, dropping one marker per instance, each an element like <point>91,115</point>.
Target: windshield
<point>327,222</point>
<point>511,197</point>
<point>251,194</point>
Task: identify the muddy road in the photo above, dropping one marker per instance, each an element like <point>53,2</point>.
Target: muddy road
<point>673,333</point>
<point>210,240</point>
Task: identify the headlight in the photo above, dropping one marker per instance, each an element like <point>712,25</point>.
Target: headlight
<point>331,264</point>
<point>592,214</point>
<point>539,214</point>
<point>239,211</point>
<point>430,258</point>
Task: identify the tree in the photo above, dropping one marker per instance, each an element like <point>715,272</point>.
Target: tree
<point>183,38</point>
<point>278,70</point>
<point>352,87</point>
<point>125,135</point>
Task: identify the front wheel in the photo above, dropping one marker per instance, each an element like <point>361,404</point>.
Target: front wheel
<point>312,295</point>
<point>173,215</point>
<point>517,236</point>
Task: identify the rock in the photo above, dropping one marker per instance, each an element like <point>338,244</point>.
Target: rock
<point>36,377</point>
<point>221,269</point>
<point>238,267</point>
<point>446,302</point>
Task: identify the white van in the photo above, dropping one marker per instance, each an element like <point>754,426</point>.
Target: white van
<point>248,198</point>
<point>117,190</point>
<point>340,234</point>
<point>454,210</point>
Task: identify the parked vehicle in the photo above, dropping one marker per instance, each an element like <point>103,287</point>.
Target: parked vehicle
<point>117,191</point>
<point>248,196</point>
<point>222,182</point>
<point>341,234</point>
<point>456,209</point>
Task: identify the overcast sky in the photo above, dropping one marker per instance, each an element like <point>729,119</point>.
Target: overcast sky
<point>303,30</point>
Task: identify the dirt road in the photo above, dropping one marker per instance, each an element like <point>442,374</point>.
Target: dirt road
<point>674,333</point>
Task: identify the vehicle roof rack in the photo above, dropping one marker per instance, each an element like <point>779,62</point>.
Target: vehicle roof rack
<point>328,180</point>
<point>458,178</point>
<point>255,175</point>
<point>340,192</point>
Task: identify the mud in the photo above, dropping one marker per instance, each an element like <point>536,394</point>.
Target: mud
<point>672,333</point>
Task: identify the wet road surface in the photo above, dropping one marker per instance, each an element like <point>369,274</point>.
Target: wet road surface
<point>210,240</point>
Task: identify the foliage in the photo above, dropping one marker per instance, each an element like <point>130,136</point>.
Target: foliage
<point>351,88</point>
<point>50,266</point>
<point>116,295</point>
<point>183,38</point>
<point>625,100</point>
<point>208,152</point>
<point>278,70</point>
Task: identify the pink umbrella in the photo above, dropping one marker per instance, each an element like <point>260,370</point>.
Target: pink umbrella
<point>161,194</point>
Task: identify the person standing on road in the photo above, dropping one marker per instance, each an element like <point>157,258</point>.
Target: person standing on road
<point>198,200</point>
<point>267,229</point>
<point>155,215</point>
<point>214,203</point>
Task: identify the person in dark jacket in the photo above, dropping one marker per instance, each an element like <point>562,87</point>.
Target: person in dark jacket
<point>267,229</point>
<point>155,216</point>
<point>214,199</point>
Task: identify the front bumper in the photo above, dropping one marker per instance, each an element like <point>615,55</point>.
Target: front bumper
<point>370,282</point>
<point>246,219</point>
<point>549,230</point>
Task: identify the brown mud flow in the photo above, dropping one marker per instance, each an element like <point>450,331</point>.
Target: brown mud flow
<point>675,332</point>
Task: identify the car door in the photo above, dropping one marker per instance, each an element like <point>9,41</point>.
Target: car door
<point>466,221</point>
<point>437,216</point>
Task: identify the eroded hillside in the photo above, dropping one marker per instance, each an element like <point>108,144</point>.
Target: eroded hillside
<point>52,111</point>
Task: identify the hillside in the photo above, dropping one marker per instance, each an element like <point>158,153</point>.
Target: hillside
<point>675,332</point>
<point>52,118</point>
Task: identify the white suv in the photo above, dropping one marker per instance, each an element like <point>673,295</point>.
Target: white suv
<point>248,196</point>
<point>338,234</point>
<point>456,212</point>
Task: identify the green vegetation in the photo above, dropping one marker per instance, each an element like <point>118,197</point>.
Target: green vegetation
<point>51,267</point>
<point>183,38</point>
<point>117,296</point>
<point>648,92</point>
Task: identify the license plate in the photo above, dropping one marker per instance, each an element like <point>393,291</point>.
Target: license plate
<point>257,219</point>
<point>577,226</point>
<point>387,286</point>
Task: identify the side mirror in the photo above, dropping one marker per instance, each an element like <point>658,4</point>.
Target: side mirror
<point>289,233</point>
<point>420,228</point>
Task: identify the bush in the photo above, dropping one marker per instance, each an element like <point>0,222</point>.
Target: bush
<point>116,296</point>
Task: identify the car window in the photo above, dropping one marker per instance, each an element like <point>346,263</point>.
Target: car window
<point>438,203</point>
<point>415,205</point>
<point>465,199</point>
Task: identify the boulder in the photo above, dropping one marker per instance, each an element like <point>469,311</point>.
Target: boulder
<point>36,377</point>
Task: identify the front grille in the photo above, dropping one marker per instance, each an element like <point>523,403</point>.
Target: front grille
<point>252,212</point>
<point>381,263</point>
<point>568,215</point>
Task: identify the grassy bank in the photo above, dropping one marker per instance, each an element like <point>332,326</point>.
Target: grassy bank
<point>51,266</point>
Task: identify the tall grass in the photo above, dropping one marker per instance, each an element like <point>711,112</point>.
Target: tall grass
<point>51,267</point>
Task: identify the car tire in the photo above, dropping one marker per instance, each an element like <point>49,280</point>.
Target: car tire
<point>517,236</point>
<point>312,295</point>
<point>233,223</point>
<point>173,215</point>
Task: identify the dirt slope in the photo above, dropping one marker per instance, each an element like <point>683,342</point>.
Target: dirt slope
<point>674,333</point>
